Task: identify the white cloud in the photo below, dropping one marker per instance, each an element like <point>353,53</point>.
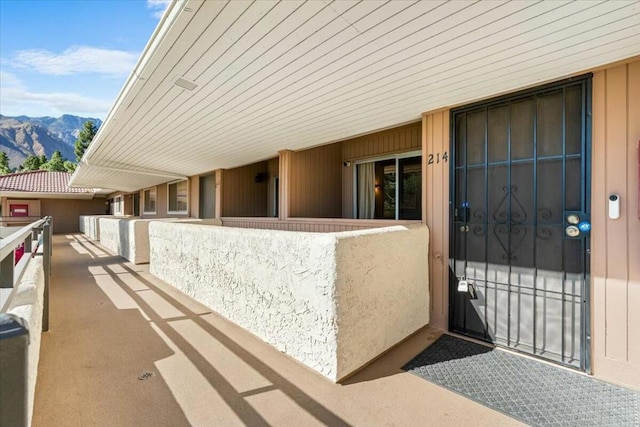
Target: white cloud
<point>17,99</point>
<point>77,60</point>
<point>158,7</point>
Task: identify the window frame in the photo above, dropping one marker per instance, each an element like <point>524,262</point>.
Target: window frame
<point>169,184</point>
<point>144,201</point>
<point>118,205</point>
<point>374,159</point>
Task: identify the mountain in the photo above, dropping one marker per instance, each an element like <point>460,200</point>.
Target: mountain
<point>22,136</point>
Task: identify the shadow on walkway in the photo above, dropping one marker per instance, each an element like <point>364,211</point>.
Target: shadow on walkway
<point>125,348</point>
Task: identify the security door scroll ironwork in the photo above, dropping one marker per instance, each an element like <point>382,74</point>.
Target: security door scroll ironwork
<point>520,221</point>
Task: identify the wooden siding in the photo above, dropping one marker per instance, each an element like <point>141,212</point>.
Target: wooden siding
<point>194,197</point>
<point>273,170</point>
<point>241,195</point>
<point>315,185</point>
<point>313,225</point>
<point>391,141</point>
<point>615,246</point>
<point>435,212</point>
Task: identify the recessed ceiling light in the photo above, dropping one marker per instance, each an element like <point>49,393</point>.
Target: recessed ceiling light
<point>185,84</point>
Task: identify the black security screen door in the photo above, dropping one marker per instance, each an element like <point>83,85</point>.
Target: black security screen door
<point>520,222</point>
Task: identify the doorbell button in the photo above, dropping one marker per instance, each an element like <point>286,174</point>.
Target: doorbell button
<point>614,206</point>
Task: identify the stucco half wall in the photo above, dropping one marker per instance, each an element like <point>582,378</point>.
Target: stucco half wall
<point>127,237</point>
<point>333,301</point>
<point>27,303</point>
<point>89,225</point>
<point>382,291</point>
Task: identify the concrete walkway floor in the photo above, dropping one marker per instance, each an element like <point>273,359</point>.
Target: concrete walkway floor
<point>126,349</point>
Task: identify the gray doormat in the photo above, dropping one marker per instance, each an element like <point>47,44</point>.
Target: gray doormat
<point>528,390</point>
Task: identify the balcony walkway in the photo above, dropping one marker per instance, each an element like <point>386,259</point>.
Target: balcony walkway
<point>113,323</point>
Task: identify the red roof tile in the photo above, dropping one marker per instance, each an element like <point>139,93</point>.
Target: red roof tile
<point>39,182</point>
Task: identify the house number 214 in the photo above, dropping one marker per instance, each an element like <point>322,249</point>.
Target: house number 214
<point>437,157</point>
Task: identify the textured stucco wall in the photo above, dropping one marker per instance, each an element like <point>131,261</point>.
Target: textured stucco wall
<point>27,303</point>
<point>330,300</point>
<point>90,225</point>
<point>278,285</point>
<point>127,237</point>
<point>382,291</point>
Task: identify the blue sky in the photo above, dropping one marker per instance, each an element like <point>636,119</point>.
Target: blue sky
<point>70,57</point>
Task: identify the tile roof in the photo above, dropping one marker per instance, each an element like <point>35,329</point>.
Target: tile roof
<point>40,182</point>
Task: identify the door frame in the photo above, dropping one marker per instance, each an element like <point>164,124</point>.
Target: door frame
<point>585,336</point>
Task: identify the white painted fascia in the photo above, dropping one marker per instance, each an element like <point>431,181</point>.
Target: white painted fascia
<point>158,36</point>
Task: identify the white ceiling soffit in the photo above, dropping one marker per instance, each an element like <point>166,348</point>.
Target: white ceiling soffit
<point>267,75</point>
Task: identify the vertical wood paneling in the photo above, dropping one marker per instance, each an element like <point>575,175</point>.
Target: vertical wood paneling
<point>598,177</point>
<point>633,348</point>
<point>616,160</point>
<point>435,139</point>
<point>316,182</point>
<point>284,171</point>
<point>241,195</point>
<point>615,245</point>
<point>390,141</point>
<point>347,191</point>
<point>402,138</point>
<point>194,196</point>
<point>633,212</point>
<point>219,190</point>
<point>162,198</point>
<point>633,174</point>
<point>616,320</point>
<point>273,169</point>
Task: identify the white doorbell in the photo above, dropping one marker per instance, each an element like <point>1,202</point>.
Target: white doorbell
<point>614,206</point>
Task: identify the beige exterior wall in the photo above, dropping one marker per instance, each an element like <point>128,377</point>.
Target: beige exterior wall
<point>194,196</point>
<point>34,205</point>
<point>66,212</point>
<point>435,212</point>
<point>615,246</point>
<point>241,195</point>
<point>274,173</point>
<point>316,187</point>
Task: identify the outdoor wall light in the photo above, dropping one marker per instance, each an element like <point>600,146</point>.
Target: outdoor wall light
<point>346,164</point>
<point>377,186</point>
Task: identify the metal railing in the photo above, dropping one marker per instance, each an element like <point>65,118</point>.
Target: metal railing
<point>16,252</point>
<point>12,221</point>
